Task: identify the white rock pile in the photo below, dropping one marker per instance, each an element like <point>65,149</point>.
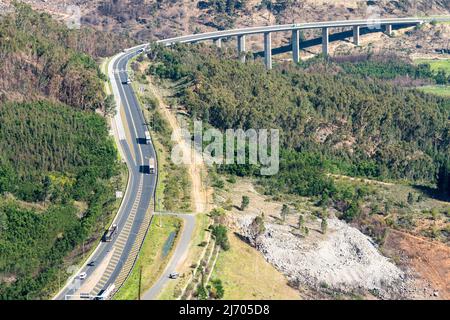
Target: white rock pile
<point>343,259</point>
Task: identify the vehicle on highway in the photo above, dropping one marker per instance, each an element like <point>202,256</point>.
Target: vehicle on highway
<point>174,275</point>
<point>106,294</point>
<point>126,81</point>
<point>147,137</point>
<point>110,233</point>
<point>82,275</point>
<point>85,295</point>
<point>151,166</point>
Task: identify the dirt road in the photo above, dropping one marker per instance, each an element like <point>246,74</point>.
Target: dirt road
<point>196,167</point>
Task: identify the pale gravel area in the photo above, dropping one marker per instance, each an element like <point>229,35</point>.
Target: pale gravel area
<point>344,259</point>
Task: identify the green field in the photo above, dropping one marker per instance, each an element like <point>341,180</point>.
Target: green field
<point>443,91</point>
<point>245,274</point>
<point>152,258</point>
<point>436,64</point>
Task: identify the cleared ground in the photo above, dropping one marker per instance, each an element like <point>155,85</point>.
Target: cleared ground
<point>429,260</point>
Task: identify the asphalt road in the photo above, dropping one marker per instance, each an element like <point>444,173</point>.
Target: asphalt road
<point>178,256</point>
<point>137,198</point>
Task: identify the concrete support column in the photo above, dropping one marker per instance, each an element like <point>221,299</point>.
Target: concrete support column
<point>388,29</point>
<point>268,50</point>
<point>218,42</point>
<point>296,46</point>
<point>356,35</point>
<point>325,41</point>
<point>241,47</point>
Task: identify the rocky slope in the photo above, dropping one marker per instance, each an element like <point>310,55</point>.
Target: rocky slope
<point>344,259</point>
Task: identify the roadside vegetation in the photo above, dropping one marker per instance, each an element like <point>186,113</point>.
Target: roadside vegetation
<point>153,258</point>
<point>173,191</point>
<point>246,275</point>
<point>331,121</point>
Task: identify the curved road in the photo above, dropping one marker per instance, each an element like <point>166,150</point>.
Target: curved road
<point>110,257</point>
<point>178,256</point>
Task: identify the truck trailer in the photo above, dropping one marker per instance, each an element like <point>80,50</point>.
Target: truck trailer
<point>147,137</point>
<point>151,166</point>
<point>110,233</point>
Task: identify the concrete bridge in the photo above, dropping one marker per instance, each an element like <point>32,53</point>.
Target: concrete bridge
<point>385,25</point>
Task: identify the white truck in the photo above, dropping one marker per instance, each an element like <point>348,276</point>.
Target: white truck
<point>106,294</point>
<point>110,233</point>
<point>151,166</point>
<point>147,137</point>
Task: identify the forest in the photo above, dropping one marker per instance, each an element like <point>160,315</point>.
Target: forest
<point>40,57</point>
<point>52,155</point>
<point>334,116</point>
<point>57,160</point>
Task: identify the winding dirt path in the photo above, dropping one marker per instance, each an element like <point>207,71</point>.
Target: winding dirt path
<point>196,167</point>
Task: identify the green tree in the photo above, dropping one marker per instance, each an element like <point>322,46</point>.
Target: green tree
<point>202,293</point>
<point>217,291</point>
<point>301,222</point>
<point>284,212</point>
<point>110,105</point>
<point>410,198</point>
<point>324,225</point>
<point>443,179</point>
<point>257,226</point>
<point>245,202</point>
<point>220,234</point>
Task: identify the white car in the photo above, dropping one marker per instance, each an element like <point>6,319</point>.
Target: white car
<point>173,275</point>
<point>82,276</point>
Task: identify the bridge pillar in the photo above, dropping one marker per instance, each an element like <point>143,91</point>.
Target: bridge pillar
<point>388,29</point>
<point>356,35</point>
<point>218,42</point>
<point>296,46</point>
<point>241,47</point>
<point>325,41</point>
<point>268,50</point>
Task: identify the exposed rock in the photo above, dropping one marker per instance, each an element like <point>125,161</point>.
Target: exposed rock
<point>344,259</point>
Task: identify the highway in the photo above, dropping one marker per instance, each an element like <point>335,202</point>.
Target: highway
<point>113,259</point>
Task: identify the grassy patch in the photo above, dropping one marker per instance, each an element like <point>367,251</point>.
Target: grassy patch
<point>151,259</point>
<point>173,288</point>
<point>247,275</point>
<point>436,64</point>
<point>443,91</point>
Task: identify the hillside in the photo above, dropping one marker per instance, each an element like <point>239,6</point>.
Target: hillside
<point>331,121</point>
<point>40,57</point>
<point>323,107</point>
<point>362,149</point>
<point>57,161</point>
<point>149,19</point>
<point>55,167</point>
